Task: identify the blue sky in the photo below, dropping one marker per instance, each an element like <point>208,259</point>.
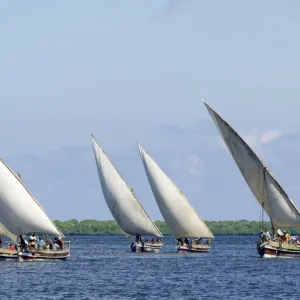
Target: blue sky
<point>137,70</point>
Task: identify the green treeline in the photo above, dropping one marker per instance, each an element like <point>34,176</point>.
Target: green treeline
<point>96,227</point>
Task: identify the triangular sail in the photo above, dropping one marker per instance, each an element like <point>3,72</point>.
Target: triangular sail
<point>284,213</point>
<point>120,199</point>
<point>19,210</point>
<point>6,233</point>
<point>268,192</point>
<point>180,216</point>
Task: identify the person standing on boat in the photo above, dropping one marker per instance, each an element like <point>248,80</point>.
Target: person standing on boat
<point>138,238</point>
<point>23,242</point>
<point>264,236</point>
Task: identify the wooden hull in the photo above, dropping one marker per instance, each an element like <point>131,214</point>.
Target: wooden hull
<point>193,248</point>
<point>272,249</point>
<point>44,254</point>
<point>8,254</point>
<point>146,247</point>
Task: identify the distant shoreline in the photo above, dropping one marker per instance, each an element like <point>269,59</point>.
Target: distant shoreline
<point>111,228</point>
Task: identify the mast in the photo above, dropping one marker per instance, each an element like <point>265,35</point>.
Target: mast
<point>262,216</point>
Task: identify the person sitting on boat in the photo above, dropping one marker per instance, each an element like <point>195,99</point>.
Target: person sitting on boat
<point>153,241</point>
<point>286,236</point>
<point>11,246</point>
<point>180,242</point>
<point>55,244</point>
<point>32,240</point>
<point>49,244</point>
<point>0,243</point>
<point>283,237</point>
<point>186,241</point>
<point>158,240</point>
<point>41,243</point>
<point>60,243</point>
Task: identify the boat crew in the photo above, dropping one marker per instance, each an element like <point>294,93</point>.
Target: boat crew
<point>32,240</point>
<point>11,246</point>
<point>23,242</point>
<point>286,237</point>
<point>265,236</point>
<point>41,243</point>
<point>60,243</point>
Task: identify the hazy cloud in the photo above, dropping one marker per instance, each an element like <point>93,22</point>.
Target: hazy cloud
<point>257,139</point>
<point>173,5</point>
<point>190,164</point>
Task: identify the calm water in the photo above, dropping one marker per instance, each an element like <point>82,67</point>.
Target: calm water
<point>104,268</point>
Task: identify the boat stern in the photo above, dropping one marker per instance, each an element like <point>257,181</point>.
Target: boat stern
<point>146,247</point>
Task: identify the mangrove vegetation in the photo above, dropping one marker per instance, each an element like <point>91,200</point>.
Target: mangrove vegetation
<point>95,227</point>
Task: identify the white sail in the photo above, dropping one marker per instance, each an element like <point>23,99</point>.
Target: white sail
<point>283,211</point>
<point>19,211</point>
<point>120,199</point>
<point>268,192</point>
<point>6,233</point>
<point>180,216</point>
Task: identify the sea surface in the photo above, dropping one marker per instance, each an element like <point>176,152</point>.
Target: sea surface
<point>103,267</point>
